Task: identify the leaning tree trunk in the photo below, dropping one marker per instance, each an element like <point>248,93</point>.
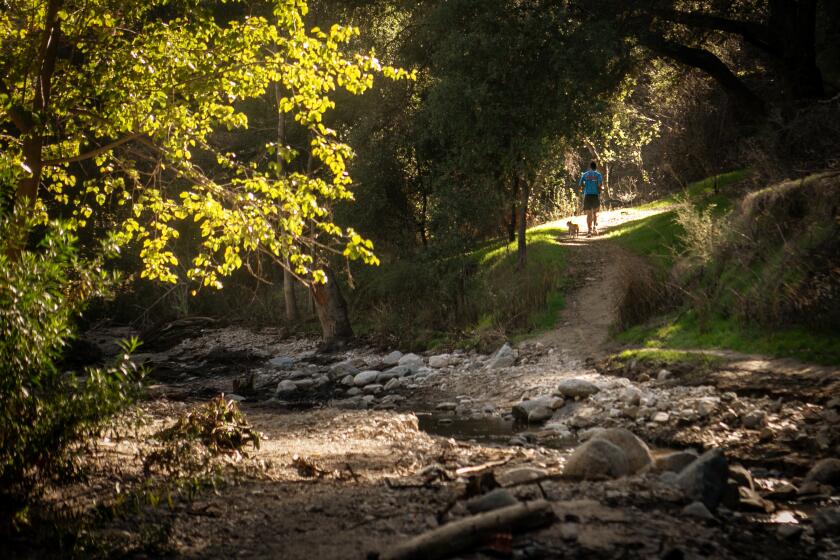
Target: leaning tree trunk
<point>523,215</point>
<point>331,308</point>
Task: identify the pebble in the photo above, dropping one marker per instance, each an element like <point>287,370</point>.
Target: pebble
<point>631,396</point>
<point>661,417</point>
<point>663,375</point>
<point>754,420</point>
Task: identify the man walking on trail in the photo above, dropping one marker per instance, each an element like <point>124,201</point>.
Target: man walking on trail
<point>591,181</point>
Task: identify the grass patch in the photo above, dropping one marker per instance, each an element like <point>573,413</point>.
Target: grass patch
<point>669,357</point>
<point>684,331</point>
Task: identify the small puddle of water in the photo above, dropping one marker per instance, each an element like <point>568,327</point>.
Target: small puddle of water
<point>487,430</point>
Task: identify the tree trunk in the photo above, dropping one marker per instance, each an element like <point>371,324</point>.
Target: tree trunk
<point>511,226</point>
<point>523,225</point>
<point>794,26</point>
<point>606,198</point>
<point>332,312</point>
<point>289,295</point>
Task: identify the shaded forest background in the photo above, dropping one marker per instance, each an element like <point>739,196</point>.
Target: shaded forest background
<point>511,101</point>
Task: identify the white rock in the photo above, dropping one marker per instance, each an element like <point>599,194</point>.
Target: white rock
<point>661,417</point>
<point>504,357</point>
<point>412,361</point>
<point>285,387</point>
<point>282,362</point>
<point>393,358</point>
<point>447,406</point>
<point>365,377</point>
<point>663,374</point>
<point>439,361</point>
<point>577,388</point>
<point>631,396</point>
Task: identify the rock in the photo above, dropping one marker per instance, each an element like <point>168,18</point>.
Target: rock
<point>631,396</point>
<point>663,375</point>
<point>741,476</point>
<point>234,397</point>
<point>674,462</point>
<point>392,399</point>
<point>754,420</point>
<point>707,405</point>
<point>388,375</point>
<point>347,381</point>
<point>827,522</point>
<point>540,414</point>
<point>303,384</point>
<point>597,458</point>
<point>521,411</point>
<point>343,368</point>
<point>495,499</point>
<point>368,399</point>
<point>353,391</point>
<point>353,403</point>
<point>661,417</point>
<point>584,417</point>
<point>698,510</point>
<point>790,531</point>
<point>504,357</point>
<point>439,361</point>
<point>286,387</point>
<point>412,361</point>
<point>365,377</point>
<point>521,475</point>
<point>825,471</point>
<point>637,452</point>
<point>447,406</point>
<point>748,499</point>
<point>393,384</point>
<point>372,389</point>
<point>705,478</point>
<point>392,359</point>
<point>282,362</point>
<point>577,388</point>
<point>589,433</point>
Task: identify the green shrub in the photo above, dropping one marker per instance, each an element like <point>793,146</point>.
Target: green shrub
<point>45,412</point>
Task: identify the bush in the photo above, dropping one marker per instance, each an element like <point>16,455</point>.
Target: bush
<point>44,412</point>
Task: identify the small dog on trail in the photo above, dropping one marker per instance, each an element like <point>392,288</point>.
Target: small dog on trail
<point>574,229</point>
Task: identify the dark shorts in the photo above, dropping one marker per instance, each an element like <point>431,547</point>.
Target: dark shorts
<point>591,202</point>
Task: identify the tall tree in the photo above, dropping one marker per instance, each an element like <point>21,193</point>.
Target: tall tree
<point>111,103</point>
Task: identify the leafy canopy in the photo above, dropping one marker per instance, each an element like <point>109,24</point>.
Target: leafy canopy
<point>140,101</point>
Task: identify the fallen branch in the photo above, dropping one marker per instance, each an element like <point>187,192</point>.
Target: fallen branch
<point>484,466</point>
<point>470,532</point>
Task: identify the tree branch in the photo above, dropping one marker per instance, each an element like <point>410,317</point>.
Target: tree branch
<point>754,33</point>
<point>709,63</point>
<point>95,152</point>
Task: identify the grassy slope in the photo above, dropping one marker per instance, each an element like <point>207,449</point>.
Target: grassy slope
<point>658,239</point>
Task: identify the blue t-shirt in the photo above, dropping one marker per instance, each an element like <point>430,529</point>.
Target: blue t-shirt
<point>591,180</point>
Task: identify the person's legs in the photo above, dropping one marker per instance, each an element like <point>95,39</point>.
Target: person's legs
<point>595,221</point>
<point>589,218</point>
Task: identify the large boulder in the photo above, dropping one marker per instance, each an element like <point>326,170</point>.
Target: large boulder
<point>637,452</point>
<point>595,459</point>
<point>577,388</point>
<point>504,357</point>
<point>705,479</point>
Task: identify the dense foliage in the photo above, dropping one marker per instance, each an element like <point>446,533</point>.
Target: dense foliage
<point>46,412</point>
